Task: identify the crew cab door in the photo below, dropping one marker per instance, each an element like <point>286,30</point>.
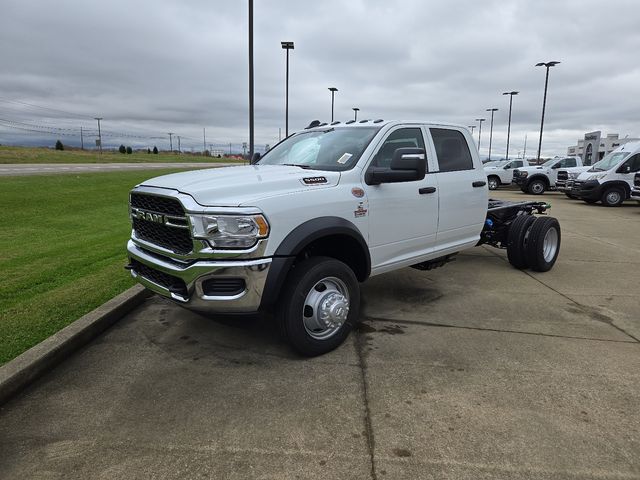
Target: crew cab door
<point>462,186</point>
<point>403,216</point>
<point>506,175</point>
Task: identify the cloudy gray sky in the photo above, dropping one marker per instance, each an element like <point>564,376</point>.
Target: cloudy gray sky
<point>153,66</point>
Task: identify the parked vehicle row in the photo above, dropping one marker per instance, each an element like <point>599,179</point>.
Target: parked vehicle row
<point>610,181</point>
<point>540,178</point>
<point>501,172</point>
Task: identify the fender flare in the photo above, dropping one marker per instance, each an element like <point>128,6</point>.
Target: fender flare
<point>295,242</point>
<point>617,183</point>
<point>540,176</point>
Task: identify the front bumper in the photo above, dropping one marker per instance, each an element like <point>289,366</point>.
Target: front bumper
<point>564,186</point>
<point>589,190</point>
<point>163,275</point>
<point>635,193</point>
<point>519,180</point>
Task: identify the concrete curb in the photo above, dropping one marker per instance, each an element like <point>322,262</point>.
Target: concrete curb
<point>25,368</point>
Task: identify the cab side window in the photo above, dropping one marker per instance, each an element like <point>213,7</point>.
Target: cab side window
<point>568,162</point>
<point>516,164</point>
<point>401,138</point>
<point>452,150</point>
<point>633,163</point>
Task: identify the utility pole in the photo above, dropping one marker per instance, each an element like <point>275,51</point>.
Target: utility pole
<point>178,143</point>
<point>81,140</point>
<point>511,94</point>
<point>251,126</point>
<point>99,134</point>
<point>492,110</point>
<point>170,141</point>
<point>479,131</point>
<point>524,155</point>
<point>204,140</point>
<point>229,148</point>
<point>333,91</point>
<point>544,100</point>
<point>287,46</point>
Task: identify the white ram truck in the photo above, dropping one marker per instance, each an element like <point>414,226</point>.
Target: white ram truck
<point>498,175</point>
<point>296,231</point>
<point>538,179</point>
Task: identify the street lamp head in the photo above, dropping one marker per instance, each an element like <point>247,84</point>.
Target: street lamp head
<point>480,120</point>
<point>333,89</point>
<point>287,45</point>
<point>492,109</point>
<point>356,109</point>
<point>511,93</point>
<point>547,64</point>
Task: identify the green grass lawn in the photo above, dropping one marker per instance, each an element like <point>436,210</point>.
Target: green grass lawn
<point>49,155</point>
<point>62,251</point>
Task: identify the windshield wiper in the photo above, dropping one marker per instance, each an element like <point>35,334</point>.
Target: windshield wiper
<point>306,167</point>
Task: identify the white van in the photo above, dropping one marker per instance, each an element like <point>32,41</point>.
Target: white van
<point>611,179</point>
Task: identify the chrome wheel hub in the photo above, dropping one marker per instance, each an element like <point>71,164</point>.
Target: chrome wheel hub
<point>326,308</point>
<point>537,187</point>
<point>613,197</point>
<point>550,244</point>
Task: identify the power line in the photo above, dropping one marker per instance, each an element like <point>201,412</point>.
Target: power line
<point>19,102</point>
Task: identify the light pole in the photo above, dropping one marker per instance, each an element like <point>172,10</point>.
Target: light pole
<point>287,46</point>
<point>333,91</point>
<point>479,131</point>
<point>544,100</point>
<point>511,94</point>
<point>251,126</point>
<point>170,141</point>
<point>472,127</point>
<point>99,134</point>
<point>355,113</point>
<point>492,110</point>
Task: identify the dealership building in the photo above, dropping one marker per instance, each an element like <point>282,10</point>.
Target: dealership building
<point>595,146</point>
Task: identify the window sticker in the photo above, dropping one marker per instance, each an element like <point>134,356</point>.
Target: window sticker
<point>344,158</point>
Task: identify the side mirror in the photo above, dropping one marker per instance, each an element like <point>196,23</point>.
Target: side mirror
<point>625,169</point>
<point>255,158</point>
<point>556,166</point>
<point>407,165</point>
<point>507,166</point>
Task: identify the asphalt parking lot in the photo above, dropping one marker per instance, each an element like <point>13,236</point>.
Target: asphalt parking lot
<point>474,370</point>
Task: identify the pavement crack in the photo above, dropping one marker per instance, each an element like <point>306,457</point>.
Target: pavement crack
<point>592,312</point>
<point>368,426</point>
<point>485,329</point>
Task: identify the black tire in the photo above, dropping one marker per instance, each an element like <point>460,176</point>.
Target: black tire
<point>493,182</point>
<point>571,196</point>
<point>516,247</point>
<point>541,254</point>
<point>524,189</point>
<point>590,201</point>
<point>613,197</point>
<point>536,187</point>
<point>292,312</point>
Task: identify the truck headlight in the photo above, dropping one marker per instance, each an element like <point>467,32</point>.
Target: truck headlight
<point>229,231</point>
<point>574,175</point>
<point>523,174</point>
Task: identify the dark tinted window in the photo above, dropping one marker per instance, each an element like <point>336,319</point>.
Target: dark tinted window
<point>568,162</point>
<point>633,163</point>
<point>402,138</point>
<point>452,150</point>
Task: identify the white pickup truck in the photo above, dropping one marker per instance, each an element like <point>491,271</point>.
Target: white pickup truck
<point>298,230</point>
<point>502,174</point>
<point>538,179</point>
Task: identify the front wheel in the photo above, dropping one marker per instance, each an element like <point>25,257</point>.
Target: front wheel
<point>319,305</point>
<point>494,182</point>
<point>537,187</point>
<point>613,197</point>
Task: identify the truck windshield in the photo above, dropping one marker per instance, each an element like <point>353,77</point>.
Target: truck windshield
<point>334,149</point>
<point>608,162</point>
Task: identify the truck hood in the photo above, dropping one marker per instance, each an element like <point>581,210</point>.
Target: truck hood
<point>534,169</point>
<point>243,185</point>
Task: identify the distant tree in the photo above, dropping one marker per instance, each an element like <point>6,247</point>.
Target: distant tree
<point>122,149</point>
<point>129,150</point>
<point>59,145</point>
<point>148,150</point>
<point>155,150</point>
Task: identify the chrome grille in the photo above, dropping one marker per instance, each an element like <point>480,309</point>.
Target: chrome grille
<point>174,238</point>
